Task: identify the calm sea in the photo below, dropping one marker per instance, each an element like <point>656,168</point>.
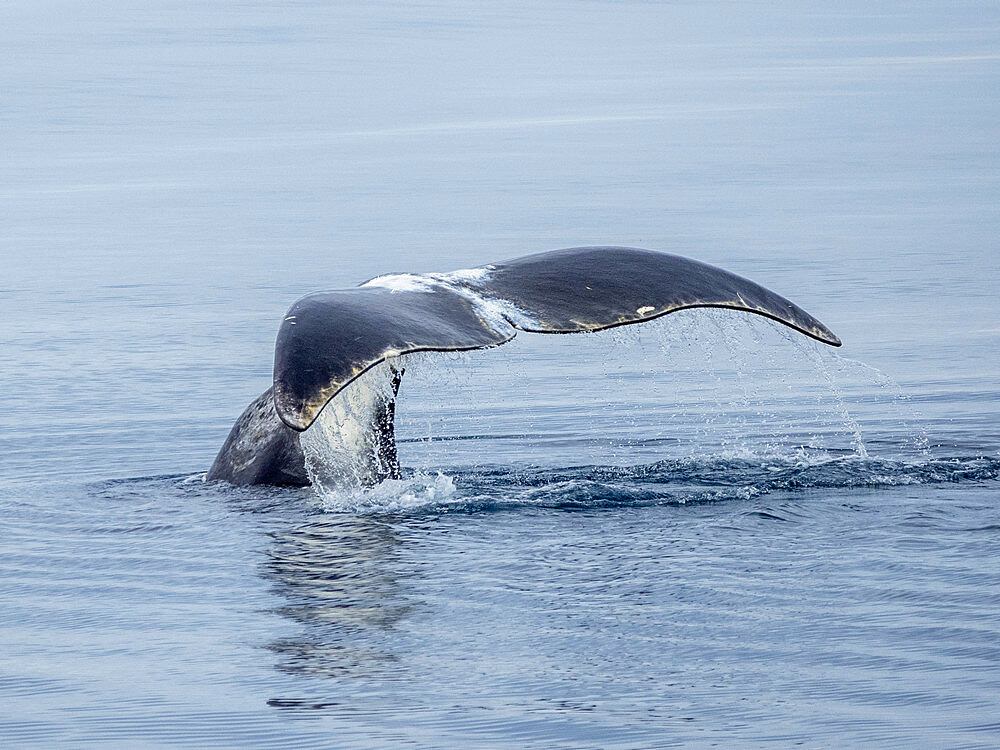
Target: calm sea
<point>700,532</point>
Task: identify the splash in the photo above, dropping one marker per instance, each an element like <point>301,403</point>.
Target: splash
<point>342,447</point>
<point>344,458</point>
<point>390,496</point>
<point>701,386</point>
<point>672,482</point>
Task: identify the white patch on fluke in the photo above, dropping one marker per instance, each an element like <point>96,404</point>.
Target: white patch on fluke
<point>499,314</point>
<point>645,309</point>
<point>426,282</point>
<point>403,282</point>
<point>482,273</point>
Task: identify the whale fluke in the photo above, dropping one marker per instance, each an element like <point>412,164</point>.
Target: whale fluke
<point>330,339</point>
<point>592,288</point>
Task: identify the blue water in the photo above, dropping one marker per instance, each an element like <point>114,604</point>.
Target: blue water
<point>704,531</point>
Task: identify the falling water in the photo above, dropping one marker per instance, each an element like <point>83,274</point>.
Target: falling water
<point>700,386</point>
<point>341,447</point>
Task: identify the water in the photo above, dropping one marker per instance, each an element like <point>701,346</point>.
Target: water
<point>704,531</point>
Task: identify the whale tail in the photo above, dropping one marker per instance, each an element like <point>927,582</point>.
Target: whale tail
<point>330,339</point>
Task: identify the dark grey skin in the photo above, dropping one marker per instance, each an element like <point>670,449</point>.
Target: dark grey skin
<point>330,339</point>
<point>261,449</point>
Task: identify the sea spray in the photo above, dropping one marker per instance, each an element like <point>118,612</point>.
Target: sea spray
<point>699,383</point>
<point>342,448</point>
<point>391,495</point>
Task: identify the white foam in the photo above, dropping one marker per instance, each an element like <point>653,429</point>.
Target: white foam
<point>390,496</point>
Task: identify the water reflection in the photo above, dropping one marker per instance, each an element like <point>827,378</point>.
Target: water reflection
<point>337,574</point>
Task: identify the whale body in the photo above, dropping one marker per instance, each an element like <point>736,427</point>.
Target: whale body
<point>337,353</point>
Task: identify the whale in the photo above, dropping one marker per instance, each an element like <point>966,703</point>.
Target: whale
<point>340,355</point>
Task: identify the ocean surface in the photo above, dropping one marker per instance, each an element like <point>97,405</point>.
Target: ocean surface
<point>704,531</point>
